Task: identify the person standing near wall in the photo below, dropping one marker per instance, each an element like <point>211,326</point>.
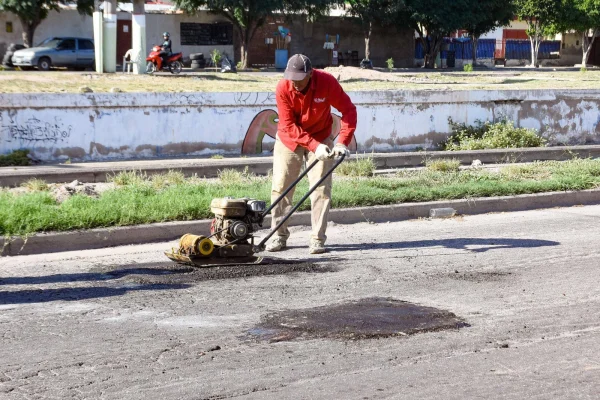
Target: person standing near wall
<point>304,100</point>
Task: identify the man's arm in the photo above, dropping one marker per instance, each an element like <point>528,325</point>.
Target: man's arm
<point>287,123</point>
<point>341,101</point>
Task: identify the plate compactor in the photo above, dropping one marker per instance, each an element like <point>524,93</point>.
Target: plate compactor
<point>231,239</point>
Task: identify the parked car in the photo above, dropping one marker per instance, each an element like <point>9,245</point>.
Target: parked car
<point>70,52</point>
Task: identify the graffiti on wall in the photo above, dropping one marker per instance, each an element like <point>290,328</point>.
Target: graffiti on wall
<point>265,124</point>
<point>34,131</point>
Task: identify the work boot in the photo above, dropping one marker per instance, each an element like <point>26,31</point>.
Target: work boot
<point>277,244</point>
<point>316,246</point>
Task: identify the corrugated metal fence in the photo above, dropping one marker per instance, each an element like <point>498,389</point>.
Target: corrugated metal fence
<point>514,49</point>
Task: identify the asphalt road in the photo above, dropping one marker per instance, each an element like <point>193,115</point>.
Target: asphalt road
<point>123,324</point>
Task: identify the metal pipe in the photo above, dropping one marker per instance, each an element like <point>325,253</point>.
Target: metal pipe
<point>261,245</point>
<point>293,185</point>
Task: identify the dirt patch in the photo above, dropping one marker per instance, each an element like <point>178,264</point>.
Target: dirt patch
<point>364,319</point>
<point>171,273</point>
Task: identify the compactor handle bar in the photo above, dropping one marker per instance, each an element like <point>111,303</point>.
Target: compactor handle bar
<point>260,247</point>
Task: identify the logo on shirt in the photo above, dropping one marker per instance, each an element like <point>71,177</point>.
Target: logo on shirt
<point>320,100</point>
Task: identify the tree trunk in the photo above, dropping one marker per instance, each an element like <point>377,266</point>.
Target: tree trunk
<point>534,46</point>
<point>475,44</point>
<point>29,28</point>
<point>244,39</point>
<point>587,44</point>
<point>367,33</point>
<point>244,53</point>
<point>433,50</point>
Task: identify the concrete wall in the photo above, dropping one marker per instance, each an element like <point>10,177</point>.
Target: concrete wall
<point>104,126</point>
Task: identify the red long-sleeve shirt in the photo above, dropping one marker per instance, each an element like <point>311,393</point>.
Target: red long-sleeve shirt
<point>305,119</point>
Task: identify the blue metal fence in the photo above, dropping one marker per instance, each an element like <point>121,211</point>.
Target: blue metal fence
<point>521,49</point>
<point>514,49</point>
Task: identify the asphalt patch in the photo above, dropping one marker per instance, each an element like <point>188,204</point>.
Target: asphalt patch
<point>364,319</point>
<point>172,273</point>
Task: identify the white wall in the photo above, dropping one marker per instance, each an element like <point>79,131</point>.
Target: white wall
<point>71,23</point>
<point>105,126</point>
<point>65,23</point>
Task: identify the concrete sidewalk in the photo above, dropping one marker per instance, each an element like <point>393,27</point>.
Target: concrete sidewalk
<point>203,167</point>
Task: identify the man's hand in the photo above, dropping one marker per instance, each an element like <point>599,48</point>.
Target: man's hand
<point>322,152</point>
<point>340,149</point>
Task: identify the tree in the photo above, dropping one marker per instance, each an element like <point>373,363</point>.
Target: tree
<point>249,15</point>
<point>582,16</point>
<point>485,16</point>
<point>31,13</point>
<point>541,17</point>
<point>368,12</point>
<point>432,20</point>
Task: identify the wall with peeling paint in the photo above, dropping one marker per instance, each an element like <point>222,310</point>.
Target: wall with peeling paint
<point>134,125</point>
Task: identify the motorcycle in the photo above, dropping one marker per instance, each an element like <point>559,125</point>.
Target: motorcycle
<point>174,62</point>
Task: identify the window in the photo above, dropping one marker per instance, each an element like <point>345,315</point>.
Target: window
<point>196,34</point>
<point>67,44</point>
<point>86,45</point>
<point>9,27</point>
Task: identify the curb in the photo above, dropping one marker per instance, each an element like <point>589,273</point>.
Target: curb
<point>161,232</point>
<point>96,172</point>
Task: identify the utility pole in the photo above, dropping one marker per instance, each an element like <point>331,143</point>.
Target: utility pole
<point>139,36</point>
<point>109,36</point>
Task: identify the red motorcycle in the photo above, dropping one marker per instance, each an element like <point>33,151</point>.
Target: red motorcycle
<point>174,62</point>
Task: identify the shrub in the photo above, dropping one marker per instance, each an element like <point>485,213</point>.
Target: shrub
<point>216,56</point>
<point>35,185</point>
<point>491,135</point>
<point>217,157</point>
<point>390,63</point>
<point>583,69</point>
<point>16,158</point>
<point>468,68</point>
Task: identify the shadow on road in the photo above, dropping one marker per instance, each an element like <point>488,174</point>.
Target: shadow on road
<point>75,294</point>
<point>137,269</point>
<point>456,243</point>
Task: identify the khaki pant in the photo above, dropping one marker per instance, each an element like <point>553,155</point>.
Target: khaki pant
<point>287,165</point>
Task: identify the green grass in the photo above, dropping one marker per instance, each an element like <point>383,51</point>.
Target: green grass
<point>360,166</point>
<point>35,185</point>
<point>140,201</point>
<point>443,165</point>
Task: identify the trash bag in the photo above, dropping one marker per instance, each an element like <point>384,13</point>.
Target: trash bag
<point>366,64</point>
<point>227,65</point>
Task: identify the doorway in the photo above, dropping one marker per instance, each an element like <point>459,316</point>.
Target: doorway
<point>124,40</point>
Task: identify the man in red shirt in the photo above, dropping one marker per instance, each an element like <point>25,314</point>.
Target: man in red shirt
<point>304,100</point>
